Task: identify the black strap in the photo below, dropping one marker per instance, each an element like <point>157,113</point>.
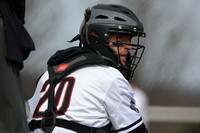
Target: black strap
<point>35,124</point>
<point>53,82</point>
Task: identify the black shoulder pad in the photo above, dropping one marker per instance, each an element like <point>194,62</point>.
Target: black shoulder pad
<point>59,68</point>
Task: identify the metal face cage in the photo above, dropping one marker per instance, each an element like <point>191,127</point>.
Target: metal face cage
<point>134,54</point>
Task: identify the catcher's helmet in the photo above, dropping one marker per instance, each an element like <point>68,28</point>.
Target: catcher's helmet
<point>117,19</point>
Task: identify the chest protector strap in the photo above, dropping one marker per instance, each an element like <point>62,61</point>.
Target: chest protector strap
<point>56,73</point>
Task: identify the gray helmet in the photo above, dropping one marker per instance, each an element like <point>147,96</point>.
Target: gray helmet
<point>106,19</point>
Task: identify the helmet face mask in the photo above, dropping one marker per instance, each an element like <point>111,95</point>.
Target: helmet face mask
<point>114,19</point>
<point>132,58</point>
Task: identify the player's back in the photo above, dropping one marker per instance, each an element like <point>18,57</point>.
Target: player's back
<point>79,97</point>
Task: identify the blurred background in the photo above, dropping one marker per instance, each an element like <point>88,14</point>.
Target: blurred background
<point>169,72</point>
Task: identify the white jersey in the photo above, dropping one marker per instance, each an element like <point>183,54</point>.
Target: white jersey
<point>93,96</point>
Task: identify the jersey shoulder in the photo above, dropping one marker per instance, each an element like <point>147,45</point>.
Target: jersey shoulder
<point>101,70</point>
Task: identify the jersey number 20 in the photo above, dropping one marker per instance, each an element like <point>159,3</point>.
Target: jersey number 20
<point>61,98</point>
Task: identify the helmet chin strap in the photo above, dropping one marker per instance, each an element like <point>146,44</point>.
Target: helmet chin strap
<point>76,38</point>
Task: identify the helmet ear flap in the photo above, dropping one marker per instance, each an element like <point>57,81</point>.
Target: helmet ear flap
<point>93,39</point>
<point>88,38</point>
